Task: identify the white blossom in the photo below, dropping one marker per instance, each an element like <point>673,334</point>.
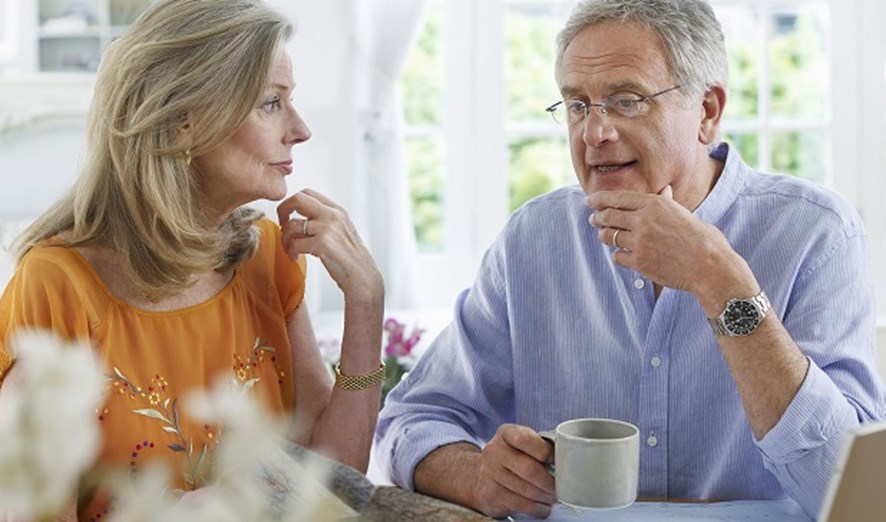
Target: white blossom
<point>48,424</point>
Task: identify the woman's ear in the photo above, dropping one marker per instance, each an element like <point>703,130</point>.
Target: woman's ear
<point>712,104</point>
<point>184,128</point>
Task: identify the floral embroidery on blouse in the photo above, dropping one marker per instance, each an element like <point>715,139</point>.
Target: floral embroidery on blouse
<point>165,410</point>
<point>244,370</point>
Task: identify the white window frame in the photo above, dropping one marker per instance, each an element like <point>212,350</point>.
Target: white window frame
<point>8,32</point>
<point>476,195</point>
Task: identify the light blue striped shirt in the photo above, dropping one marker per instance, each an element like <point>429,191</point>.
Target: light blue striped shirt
<point>552,330</point>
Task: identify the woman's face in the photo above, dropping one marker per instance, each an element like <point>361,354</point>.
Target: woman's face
<point>254,162</point>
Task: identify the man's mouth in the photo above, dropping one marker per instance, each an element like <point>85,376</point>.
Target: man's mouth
<point>609,168</point>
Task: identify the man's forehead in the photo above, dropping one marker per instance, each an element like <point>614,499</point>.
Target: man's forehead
<point>614,56</point>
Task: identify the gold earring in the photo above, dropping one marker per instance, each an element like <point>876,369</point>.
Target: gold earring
<point>188,157</point>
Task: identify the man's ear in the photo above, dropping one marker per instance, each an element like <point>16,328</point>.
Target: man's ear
<point>712,105</point>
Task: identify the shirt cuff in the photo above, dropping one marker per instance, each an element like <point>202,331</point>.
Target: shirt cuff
<point>817,413</point>
<point>414,445</point>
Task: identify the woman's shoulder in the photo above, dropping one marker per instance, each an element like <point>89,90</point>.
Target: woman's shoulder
<point>56,266</point>
<point>52,256</point>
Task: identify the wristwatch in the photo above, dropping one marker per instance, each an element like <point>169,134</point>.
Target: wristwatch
<point>741,316</point>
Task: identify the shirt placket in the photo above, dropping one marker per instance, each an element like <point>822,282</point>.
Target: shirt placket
<point>653,407</point>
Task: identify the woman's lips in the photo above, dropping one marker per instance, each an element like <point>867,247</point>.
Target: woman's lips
<point>285,166</point>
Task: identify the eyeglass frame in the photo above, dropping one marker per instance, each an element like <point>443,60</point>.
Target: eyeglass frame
<point>604,106</point>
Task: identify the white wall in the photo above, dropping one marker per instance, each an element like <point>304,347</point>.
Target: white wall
<point>321,51</point>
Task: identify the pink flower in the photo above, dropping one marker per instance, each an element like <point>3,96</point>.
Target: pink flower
<point>396,345</point>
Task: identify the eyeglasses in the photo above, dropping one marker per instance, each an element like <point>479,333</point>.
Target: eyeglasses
<point>626,105</point>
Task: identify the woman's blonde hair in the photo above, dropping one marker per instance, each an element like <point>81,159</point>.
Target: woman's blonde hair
<point>180,82</point>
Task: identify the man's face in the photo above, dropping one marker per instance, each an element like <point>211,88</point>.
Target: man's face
<point>611,152</point>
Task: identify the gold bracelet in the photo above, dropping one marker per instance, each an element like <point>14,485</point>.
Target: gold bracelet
<point>359,382</point>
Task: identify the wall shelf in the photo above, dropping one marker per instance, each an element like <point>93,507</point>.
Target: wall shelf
<point>73,34</point>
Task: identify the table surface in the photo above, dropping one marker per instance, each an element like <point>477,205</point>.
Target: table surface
<point>746,510</point>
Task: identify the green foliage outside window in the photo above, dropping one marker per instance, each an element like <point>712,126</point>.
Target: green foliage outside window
<point>537,164</point>
<point>422,86</point>
<point>422,81</point>
<point>426,166</point>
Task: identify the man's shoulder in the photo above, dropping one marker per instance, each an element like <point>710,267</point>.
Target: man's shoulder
<point>565,200</point>
<point>791,196</point>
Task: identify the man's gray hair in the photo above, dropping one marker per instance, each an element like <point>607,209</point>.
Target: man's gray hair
<point>689,30</point>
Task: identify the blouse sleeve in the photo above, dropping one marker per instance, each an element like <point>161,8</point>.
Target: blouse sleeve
<point>289,275</point>
<point>44,293</point>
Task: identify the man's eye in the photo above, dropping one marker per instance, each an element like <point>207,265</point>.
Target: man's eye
<point>625,103</point>
<point>575,107</point>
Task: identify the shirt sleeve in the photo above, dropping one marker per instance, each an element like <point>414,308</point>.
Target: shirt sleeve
<point>461,390</point>
<point>831,317</point>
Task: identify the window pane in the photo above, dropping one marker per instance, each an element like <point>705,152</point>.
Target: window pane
<point>422,86</point>
<point>748,146</point>
<point>741,30</point>
<point>530,50</point>
<point>537,165</point>
<point>425,158</point>
<point>422,80</point>
<point>798,62</point>
<point>800,154</point>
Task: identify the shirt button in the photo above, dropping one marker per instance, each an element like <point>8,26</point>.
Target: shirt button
<point>652,441</point>
<point>655,361</point>
<point>639,284</point>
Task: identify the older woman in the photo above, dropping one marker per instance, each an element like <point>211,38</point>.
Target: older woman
<point>153,258</point>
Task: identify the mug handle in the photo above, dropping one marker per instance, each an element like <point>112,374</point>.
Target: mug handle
<point>549,435</point>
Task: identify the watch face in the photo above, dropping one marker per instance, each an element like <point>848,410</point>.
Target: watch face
<point>741,317</point>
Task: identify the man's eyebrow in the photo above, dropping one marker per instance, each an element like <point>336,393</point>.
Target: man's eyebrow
<point>568,90</point>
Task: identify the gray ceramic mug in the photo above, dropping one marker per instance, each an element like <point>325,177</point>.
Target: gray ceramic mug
<point>596,462</point>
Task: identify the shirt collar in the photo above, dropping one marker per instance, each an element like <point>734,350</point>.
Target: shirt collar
<point>732,181</point>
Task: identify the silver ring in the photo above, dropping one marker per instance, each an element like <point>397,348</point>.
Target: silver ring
<point>615,238</point>
<point>304,227</point>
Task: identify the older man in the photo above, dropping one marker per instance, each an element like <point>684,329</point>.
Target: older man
<point>726,312</point>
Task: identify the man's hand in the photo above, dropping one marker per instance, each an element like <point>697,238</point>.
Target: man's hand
<point>663,241</point>
<point>507,476</point>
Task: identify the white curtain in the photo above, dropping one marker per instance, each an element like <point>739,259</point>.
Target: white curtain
<point>387,30</point>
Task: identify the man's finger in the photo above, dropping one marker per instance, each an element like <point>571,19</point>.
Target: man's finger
<point>616,199</point>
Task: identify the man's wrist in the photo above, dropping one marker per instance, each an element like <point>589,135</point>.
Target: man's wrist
<point>450,472</point>
<point>733,280</point>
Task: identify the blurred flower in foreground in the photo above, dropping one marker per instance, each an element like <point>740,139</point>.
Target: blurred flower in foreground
<point>49,435</point>
<point>48,430</point>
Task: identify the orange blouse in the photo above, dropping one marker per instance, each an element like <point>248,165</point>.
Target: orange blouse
<point>154,358</point>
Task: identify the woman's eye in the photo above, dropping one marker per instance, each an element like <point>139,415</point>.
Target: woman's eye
<point>271,105</point>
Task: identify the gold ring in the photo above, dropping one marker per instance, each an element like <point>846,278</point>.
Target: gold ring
<point>615,238</point>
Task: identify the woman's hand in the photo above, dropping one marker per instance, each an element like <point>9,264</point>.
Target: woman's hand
<point>337,421</point>
<point>326,232</point>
